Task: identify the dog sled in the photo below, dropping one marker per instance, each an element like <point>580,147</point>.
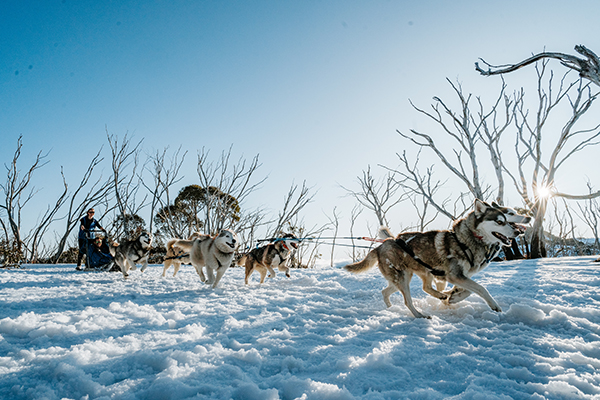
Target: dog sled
<point>97,254</point>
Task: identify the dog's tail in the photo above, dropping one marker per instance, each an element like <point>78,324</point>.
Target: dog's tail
<point>240,262</point>
<point>185,245</point>
<point>364,265</point>
<point>169,245</point>
<point>384,233</point>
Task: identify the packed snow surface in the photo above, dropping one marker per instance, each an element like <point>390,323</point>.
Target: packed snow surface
<point>321,334</point>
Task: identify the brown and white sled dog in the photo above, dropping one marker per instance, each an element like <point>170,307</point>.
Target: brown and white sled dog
<point>214,253</point>
<point>266,258</point>
<point>130,252</point>
<point>175,256</point>
<point>450,256</point>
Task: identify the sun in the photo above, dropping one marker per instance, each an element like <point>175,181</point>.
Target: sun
<point>543,191</point>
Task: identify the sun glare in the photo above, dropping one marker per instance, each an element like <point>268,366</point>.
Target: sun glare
<point>544,191</point>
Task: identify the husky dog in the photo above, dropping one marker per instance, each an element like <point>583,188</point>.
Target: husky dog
<point>452,256</point>
<point>214,253</point>
<point>130,252</point>
<point>512,217</point>
<point>266,258</point>
<point>176,256</point>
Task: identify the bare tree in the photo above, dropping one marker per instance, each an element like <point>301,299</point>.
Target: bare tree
<point>307,253</point>
<point>590,214</point>
<point>422,206</point>
<point>248,226</point>
<point>17,193</point>
<point>562,232</point>
<point>292,206</point>
<point>416,183</point>
<point>164,177</point>
<point>225,182</point>
<point>378,196</point>
<point>34,238</point>
<point>334,222</point>
<point>531,130</point>
<point>125,181</point>
<point>86,195</point>
<point>355,213</point>
<point>588,68</point>
<point>468,131</point>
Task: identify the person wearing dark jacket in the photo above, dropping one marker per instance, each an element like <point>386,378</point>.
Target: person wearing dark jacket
<point>87,227</point>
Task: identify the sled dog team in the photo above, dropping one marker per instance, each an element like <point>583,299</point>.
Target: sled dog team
<point>438,257</point>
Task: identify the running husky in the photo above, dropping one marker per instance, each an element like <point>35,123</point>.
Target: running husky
<point>176,256</point>
<point>457,294</point>
<point>214,253</point>
<point>451,256</point>
<point>266,258</point>
<point>130,252</point>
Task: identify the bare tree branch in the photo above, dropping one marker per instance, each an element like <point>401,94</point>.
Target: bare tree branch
<point>378,196</point>
<point>588,68</point>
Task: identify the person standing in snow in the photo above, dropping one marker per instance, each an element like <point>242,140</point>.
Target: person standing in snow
<point>87,227</point>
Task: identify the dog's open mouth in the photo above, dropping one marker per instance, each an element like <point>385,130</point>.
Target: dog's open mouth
<point>518,227</point>
<point>505,241</point>
<point>294,244</point>
<point>232,245</point>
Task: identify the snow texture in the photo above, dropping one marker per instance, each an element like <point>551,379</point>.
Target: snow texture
<point>321,334</point>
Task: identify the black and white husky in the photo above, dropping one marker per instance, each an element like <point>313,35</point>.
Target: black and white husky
<point>452,256</point>
<point>132,252</point>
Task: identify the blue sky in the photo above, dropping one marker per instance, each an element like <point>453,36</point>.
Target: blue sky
<point>317,88</point>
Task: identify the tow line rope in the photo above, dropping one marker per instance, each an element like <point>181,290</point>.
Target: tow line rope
<point>319,240</point>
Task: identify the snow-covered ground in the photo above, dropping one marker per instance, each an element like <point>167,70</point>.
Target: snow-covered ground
<point>323,334</point>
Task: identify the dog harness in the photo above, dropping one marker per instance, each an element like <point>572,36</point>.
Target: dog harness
<point>404,246</point>
<point>138,249</point>
<point>283,259</point>
<point>491,253</point>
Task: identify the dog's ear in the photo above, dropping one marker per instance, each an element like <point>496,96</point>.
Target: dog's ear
<point>480,207</point>
<point>495,205</point>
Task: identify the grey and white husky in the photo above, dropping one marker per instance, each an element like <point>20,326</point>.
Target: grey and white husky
<point>132,252</point>
<point>266,258</point>
<point>452,256</point>
<point>214,253</point>
<point>512,217</point>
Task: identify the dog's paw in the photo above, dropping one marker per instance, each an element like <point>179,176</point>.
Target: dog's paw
<point>288,275</point>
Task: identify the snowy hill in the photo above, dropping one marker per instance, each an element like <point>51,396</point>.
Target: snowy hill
<point>322,334</point>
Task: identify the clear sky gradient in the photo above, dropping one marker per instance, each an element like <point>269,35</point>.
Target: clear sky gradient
<point>317,88</point>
